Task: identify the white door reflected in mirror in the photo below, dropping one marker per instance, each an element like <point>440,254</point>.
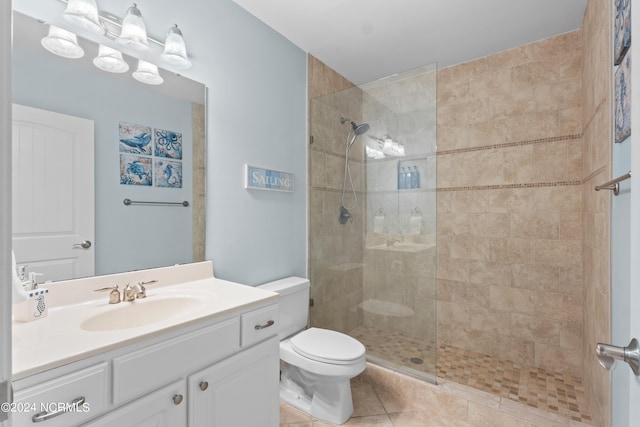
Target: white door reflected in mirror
<point>53,202</point>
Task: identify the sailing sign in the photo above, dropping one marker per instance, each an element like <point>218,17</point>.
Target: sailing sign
<point>266,179</point>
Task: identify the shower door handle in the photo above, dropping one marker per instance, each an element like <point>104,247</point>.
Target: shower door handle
<point>608,354</point>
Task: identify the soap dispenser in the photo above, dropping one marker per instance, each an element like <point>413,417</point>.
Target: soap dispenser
<point>29,301</point>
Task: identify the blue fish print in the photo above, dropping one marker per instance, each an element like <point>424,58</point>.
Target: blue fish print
<point>136,168</point>
<point>138,142</point>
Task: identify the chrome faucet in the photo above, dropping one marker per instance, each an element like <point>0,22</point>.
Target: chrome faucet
<point>141,291</point>
<point>129,293</point>
<point>114,294</point>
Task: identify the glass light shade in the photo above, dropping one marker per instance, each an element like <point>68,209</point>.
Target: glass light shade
<point>84,13</point>
<point>134,32</point>
<point>110,60</point>
<point>62,43</point>
<point>175,51</point>
<point>147,73</point>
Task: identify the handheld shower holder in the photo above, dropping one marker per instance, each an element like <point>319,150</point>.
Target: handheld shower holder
<point>345,215</point>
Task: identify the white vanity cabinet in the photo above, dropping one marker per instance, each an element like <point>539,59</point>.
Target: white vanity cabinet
<point>222,372</point>
<point>238,391</point>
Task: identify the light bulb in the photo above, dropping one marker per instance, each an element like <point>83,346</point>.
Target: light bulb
<point>110,60</point>
<point>175,51</point>
<point>133,32</point>
<point>147,73</point>
<point>84,13</point>
<point>62,43</point>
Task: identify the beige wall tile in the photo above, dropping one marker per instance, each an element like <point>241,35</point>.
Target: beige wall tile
<point>511,300</point>
<point>520,251</point>
<point>559,359</point>
<point>558,252</point>
<point>536,329</point>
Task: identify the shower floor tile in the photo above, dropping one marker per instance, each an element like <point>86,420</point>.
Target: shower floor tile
<point>554,392</point>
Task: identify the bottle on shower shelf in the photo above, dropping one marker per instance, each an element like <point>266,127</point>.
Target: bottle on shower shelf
<point>415,178</point>
<point>402,178</point>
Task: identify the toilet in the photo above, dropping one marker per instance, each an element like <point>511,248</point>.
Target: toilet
<point>316,365</point>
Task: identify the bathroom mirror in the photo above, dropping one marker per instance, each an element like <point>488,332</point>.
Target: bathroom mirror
<point>127,237</point>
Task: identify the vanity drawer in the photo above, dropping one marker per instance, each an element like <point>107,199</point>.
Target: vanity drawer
<point>152,367</point>
<point>40,403</point>
<point>259,325</point>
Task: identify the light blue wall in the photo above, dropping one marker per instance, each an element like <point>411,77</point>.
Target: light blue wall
<point>127,238</point>
<point>257,115</point>
<point>620,280</point>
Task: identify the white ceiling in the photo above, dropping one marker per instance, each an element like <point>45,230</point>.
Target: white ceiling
<point>366,40</point>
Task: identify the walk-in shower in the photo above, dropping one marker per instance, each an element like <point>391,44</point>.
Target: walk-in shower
<point>375,278</point>
<point>505,314</point>
<point>356,130</point>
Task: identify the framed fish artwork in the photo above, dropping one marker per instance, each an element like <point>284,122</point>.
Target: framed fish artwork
<point>168,144</point>
<point>622,30</point>
<point>168,173</point>
<point>135,170</point>
<point>135,139</point>
<point>622,104</point>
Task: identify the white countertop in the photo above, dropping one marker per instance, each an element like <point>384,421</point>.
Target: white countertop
<point>60,339</point>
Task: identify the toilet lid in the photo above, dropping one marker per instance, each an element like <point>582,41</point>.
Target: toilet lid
<point>327,346</point>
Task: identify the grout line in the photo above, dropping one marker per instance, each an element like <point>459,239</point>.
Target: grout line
<point>511,144</point>
<point>508,186</point>
<point>594,174</point>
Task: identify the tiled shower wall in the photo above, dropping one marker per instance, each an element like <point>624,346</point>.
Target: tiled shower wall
<point>335,252</point>
<point>510,225</point>
<point>598,140</point>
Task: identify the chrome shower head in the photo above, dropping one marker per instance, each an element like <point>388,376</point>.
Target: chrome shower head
<point>357,129</point>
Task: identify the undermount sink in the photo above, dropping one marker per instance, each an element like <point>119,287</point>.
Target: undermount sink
<point>143,312</point>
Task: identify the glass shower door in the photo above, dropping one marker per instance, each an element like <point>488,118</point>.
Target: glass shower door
<point>374,278</point>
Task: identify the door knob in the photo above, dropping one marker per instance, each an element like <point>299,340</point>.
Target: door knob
<point>84,245</point>
<point>608,354</point>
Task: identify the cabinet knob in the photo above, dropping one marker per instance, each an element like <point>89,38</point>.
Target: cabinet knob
<point>203,385</point>
<point>177,399</point>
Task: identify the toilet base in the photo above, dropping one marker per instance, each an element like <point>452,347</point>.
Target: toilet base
<point>328,400</point>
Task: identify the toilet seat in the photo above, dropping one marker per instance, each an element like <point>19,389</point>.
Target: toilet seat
<point>327,346</point>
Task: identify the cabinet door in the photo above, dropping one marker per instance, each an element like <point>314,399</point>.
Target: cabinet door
<point>241,391</point>
<point>166,407</point>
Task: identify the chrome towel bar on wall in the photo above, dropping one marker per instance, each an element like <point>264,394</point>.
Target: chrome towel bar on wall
<point>129,202</point>
<point>614,184</point>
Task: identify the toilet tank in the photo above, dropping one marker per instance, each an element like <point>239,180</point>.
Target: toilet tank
<point>294,303</point>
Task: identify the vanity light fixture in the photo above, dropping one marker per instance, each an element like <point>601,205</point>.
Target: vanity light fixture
<point>133,32</point>
<point>379,148</point>
<point>110,60</point>
<point>129,31</point>
<point>62,43</point>
<point>147,73</point>
<point>84,14</point>
<point>175,51</point>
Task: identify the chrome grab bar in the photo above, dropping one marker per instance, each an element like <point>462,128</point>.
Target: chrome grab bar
<point>129,202</point>
<point>614,184</point>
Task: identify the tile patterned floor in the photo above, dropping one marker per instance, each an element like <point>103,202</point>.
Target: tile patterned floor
<point>553,392</point>
<point>384,398</point>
